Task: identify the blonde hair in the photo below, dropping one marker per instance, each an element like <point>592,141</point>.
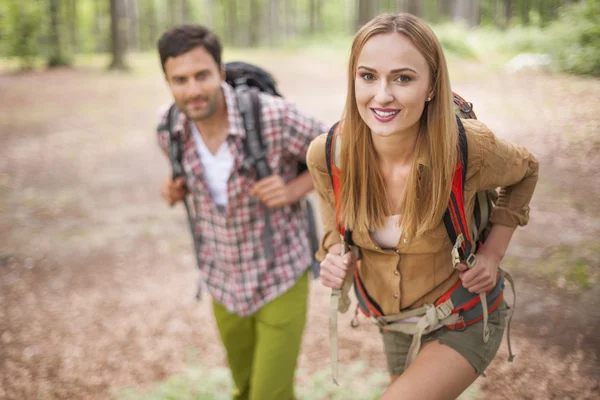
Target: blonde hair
<point>425,199</point>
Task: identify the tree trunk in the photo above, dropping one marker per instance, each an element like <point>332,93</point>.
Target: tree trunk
<point>133,17</point>
<point>446,9</point>
<point>172,10</point>
<point>73,24</point>
<point>414,7</point>
<point>467,11</point>
<point>185,12</point>
<point>524,9</point>
<point>508,11</point>
<point>57,57</point>
<point>366,11</point>
<point>272,23</point>
<point>118,31</point>
<point>315,16</point>
<point>254,23</point>
<point>231,21</point>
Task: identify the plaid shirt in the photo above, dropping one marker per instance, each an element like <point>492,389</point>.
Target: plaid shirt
<point>233,263</point>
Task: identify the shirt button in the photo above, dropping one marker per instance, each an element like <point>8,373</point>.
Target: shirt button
<point>397,251</point>
<point>405,241</point>
<point>395,295</point>
<point>396,273</point>
<point>376,248</point>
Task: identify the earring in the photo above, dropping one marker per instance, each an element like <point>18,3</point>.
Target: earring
<point>429,99</point>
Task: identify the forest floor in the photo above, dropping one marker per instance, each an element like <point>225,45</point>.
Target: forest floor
<point>97,277</point>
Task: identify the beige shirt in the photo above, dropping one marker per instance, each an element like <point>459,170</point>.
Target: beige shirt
<point>420,270</point>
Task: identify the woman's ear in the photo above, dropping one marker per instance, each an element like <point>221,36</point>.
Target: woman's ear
<point>430,94</point>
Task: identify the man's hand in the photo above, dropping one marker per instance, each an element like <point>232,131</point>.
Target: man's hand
<point>273,192</point>
<point>173,191</point>
<point>482,277</point>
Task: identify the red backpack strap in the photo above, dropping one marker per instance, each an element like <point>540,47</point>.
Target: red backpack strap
<point>336,182</point>
<point>454,217</point>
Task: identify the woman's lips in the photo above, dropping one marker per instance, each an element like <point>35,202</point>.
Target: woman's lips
<point>385,114</point>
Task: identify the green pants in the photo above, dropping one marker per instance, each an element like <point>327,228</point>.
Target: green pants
<point>262,349</point>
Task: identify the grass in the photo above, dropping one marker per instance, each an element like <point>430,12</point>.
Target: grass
<point>357,382</point>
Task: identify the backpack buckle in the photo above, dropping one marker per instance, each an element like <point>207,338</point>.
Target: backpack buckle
<point>471,261</point>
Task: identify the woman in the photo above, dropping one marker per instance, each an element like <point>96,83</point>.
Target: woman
<point>398,158</point>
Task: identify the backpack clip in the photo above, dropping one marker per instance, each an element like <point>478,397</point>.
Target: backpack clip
<point>455,255</point>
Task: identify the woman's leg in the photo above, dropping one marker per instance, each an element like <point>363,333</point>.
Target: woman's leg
<point>438,373</point>
<point>449,361</point>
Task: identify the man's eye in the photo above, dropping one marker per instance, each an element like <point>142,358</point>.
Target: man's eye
<point>368,76</point>
<point>179,81</point>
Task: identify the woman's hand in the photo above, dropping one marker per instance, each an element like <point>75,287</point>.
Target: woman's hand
<point>482,277</point>
<point>335,267</point>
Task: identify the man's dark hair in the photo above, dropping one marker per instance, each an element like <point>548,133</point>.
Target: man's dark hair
<point>184,38</point>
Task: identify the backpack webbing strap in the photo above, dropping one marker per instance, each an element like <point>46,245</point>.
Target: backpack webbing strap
<point>175,155</point>
<point>250,108</point>
<point>456,222</point>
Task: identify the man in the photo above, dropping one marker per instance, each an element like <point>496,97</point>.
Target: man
<point>259,302</point>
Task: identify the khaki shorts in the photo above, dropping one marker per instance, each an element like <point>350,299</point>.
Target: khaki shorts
<point>468,343</point>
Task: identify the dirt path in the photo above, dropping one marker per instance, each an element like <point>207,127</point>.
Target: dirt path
<point>97,276</point>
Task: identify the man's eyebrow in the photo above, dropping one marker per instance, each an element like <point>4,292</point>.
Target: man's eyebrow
<point>195,73</point>
<point>394,71</point>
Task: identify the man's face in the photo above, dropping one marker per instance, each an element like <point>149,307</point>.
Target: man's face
<point>195,81</point>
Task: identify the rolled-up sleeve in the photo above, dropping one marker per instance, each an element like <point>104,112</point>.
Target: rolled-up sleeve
<point>507,166</point>
<point>317,165</point>
<point>162,130</point>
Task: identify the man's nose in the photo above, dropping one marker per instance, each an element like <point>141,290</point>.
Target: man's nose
<point>194,87</point>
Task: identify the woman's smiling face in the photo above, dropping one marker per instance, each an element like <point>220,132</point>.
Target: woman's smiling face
<point>392,84</point>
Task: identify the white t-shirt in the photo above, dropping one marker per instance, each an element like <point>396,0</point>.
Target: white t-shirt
<point>217,167</point>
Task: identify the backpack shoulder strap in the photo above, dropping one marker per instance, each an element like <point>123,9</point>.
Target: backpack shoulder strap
<point>454,217</point>
<point>250,108</point>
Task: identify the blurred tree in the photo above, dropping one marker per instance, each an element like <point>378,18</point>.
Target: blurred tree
<point>118,30</point>
<point>254,23</point>
<point>56,57</point>
<point>366,10</point>
<point>413,7</point>
<point>132,16</point>
<point>524,7</point>
<point>467,11</point>
<point>231,22</point>
<point>21,29</point>
<point>185,12</point>
<point>315,9</point>
<point>73,22</point>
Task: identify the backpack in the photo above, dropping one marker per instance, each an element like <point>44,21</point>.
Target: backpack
<point>457,308</point>
<point>247,80</point>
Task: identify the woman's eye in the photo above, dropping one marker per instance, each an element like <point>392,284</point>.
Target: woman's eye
<point>368,76</point>
<point>403,78</point>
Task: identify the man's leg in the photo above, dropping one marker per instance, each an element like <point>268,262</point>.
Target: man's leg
<point>239,337</point>
<point>279,327</point>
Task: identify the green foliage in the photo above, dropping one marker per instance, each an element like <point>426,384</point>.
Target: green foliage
<point>576,44</point>
<point>21,30</point>
<point>454,38</point>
